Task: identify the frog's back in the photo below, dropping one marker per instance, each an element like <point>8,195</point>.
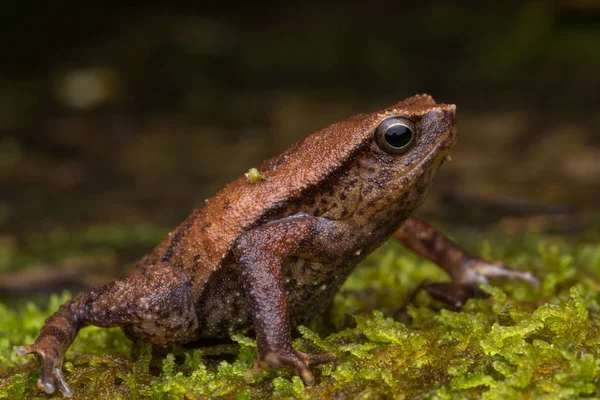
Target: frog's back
<point>202,242</point>
<point>204,239</point>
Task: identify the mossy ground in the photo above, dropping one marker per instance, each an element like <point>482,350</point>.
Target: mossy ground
<point>518,343</point>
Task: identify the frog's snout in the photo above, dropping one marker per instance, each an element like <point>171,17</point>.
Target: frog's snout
<point>447,113</point>
<point>444,114</point>
<point>449,117</point>
<point>451,113</point>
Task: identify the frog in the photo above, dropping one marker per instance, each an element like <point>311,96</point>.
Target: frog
<point>263,256</point>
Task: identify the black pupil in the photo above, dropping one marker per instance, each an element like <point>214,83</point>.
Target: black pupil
<point>398,136</point>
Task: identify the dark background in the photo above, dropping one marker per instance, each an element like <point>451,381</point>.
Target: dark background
<point>131,115</point>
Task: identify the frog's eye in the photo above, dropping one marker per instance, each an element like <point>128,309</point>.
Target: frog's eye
<point>395,135</point>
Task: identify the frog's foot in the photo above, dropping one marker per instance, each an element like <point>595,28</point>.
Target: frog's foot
<point>295,360</point>
<point>474,271</point>
<point>454,295</point>
<point>466,271</point>
<point>466,280</point>
<point>51,359</point>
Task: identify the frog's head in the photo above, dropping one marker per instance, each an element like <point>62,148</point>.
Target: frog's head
<point>408,143</point>
<point>377,165</point>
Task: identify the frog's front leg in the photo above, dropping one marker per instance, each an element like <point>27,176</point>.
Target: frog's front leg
<point>467,272</point>
<point>155,305</point>
<point>259,254</point>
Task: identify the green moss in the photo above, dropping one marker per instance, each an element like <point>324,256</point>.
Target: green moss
<point>254,176</point>
<point>518,343</point>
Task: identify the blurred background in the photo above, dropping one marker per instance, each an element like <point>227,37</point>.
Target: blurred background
<point>117,120</point>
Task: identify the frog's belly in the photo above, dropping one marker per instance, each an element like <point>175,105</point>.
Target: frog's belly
<point>310,287</point>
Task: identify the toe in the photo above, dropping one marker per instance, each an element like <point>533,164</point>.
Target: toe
<point>46,386</point>
<point>62,384</point>
<point>297,361</point>
<point>452,294</point>
<point>307,377</point>
<point>318,359</point>
<point>24,350</point>
<point>499,271</point>
<point>258,367</point>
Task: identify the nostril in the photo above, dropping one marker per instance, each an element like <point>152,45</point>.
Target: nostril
<point>439,114</point>
<point>451,111</point>
<point>450,115</point>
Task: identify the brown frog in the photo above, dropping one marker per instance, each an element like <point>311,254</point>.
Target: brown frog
<point>265,255</point>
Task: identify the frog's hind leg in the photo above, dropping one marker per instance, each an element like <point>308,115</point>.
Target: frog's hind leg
<point>466,271</point>
<point>55,337</point>
<point>155,305</point>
